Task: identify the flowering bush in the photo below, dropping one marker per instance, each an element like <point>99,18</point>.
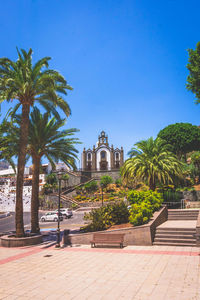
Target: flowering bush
<point>106,216</point>
<point>143,204</point>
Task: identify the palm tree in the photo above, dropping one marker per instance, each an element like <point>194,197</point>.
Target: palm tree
<point>30,83</point>
<point>152,162</point>
<point>47,140</point>
<point>6,152</point>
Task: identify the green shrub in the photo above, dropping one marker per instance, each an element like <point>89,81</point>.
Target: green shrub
<point>91,187</point>
<point>105,181</point>
<point>154,198</point>
<point>74,205</point>
<point>106,216</point>
<point>143,204</point>
<point>118,182</point>
<point>140,213</point>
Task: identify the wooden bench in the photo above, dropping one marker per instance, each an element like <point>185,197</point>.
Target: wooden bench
<point>107,239</point>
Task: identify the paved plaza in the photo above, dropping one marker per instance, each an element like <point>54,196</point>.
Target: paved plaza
<point>80,273</point>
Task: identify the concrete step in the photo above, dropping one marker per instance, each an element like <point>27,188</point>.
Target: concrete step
<point>182,217</point>
<point>161,229</point>
<point>173,233</point>
<point>183,210</point>
<point>173,240</point>
<point>174,244</point>
<point>177,214</point>
<point>175,236</point>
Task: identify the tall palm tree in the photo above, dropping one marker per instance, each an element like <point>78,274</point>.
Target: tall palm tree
<point>29,84</point>
<point>6,152</point>
<point>46,139</point>
<point>151,161</point>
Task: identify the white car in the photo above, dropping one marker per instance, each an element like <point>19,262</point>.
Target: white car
<point>51,216</point>
<point>66,212</point>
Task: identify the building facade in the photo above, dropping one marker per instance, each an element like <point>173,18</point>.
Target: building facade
<point>102,157</point>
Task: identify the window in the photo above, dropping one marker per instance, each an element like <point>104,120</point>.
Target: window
<point>89,156</point>
<point>117,156</point>
<point>103,154</point>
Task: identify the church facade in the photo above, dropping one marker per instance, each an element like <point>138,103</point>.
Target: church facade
<point>102,157</point>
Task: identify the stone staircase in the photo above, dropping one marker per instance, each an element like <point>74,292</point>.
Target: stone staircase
<point>182,214</point>
<point>177,235</point>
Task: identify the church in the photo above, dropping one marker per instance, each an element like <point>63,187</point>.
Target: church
<point>102,157</point>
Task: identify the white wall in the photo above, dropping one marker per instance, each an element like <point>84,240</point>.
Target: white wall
<point>98,156</point>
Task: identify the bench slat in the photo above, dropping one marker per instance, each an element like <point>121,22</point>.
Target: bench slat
<point>108,238</point>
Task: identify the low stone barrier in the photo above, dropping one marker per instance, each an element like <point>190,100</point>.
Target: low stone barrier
<point>12,241</point>
<point>138,235</point>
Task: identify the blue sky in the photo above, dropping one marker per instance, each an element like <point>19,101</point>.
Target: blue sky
<point>126,60</point>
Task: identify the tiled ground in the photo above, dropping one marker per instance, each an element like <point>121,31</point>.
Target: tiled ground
<point>84,273</point>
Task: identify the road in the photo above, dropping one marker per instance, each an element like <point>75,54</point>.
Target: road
<point>75,222</point>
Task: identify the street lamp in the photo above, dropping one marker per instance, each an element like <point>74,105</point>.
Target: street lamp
<point>101,194</point>
<point>59,176</point>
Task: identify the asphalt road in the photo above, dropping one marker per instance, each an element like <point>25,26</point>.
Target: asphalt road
<point>75,222</point>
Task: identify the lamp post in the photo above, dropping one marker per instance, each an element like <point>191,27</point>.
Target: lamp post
<point>101,194</point>
<point>59,176</point>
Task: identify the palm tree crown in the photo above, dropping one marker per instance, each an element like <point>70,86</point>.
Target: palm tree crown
<point>27,82</point>
<point>151,161</point>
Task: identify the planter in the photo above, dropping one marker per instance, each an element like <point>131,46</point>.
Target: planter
<point>12,241</point>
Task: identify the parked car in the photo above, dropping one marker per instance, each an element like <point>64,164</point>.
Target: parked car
<point>66,212</point>
<point>51,216</point>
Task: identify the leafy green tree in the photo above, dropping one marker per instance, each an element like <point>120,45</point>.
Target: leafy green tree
<point>91,186</point>
<point>193,79</point>
<point>6,152</point>
<point>105,181</point>
<point>183,138</point>
<point>65,178</point>
<point>151,162</point>
<point>51,179</point>
<point>29,84</point>
<point>195,159</point>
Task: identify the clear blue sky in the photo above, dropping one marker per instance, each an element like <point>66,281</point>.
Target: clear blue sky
<point>126,60</point>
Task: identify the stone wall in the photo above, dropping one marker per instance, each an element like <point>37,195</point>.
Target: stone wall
<point>138,235</point>
<point>115,174</point>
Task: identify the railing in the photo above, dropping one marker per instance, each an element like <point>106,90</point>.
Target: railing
<point>173,204</point>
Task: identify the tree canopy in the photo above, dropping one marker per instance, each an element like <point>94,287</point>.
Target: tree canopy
<point>183,138</point>
<point>153,163</point>
<point>193,79</point>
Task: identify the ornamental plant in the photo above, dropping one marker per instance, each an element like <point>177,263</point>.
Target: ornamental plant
<point>143,205</point>
<point>106,216</point>
<point>140,213</point>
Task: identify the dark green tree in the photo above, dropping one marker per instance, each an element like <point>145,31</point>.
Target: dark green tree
<point>193,79</point>
<point>104,182</point>
<point>183,138</point>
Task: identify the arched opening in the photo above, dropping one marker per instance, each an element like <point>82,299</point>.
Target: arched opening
<point>103,162</point>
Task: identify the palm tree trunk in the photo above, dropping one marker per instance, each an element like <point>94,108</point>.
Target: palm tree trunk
<point>35,195</point>
<point>19,222</point>
<point>152,185</point>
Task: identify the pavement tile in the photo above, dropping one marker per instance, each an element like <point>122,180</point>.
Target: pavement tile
<point>136,272</point>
